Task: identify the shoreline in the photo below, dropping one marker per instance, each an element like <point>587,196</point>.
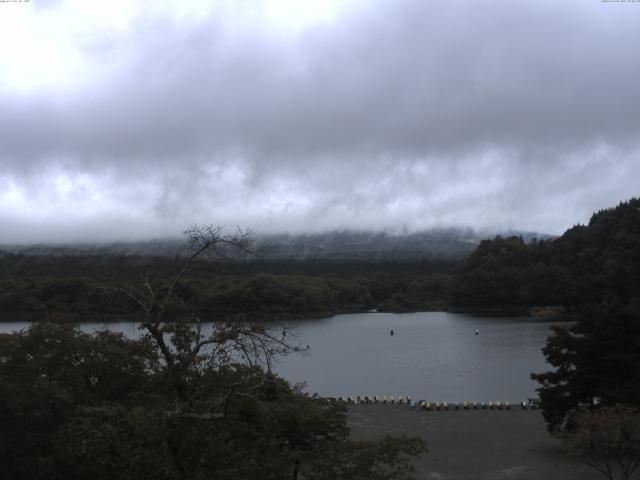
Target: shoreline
<point>258,316</point>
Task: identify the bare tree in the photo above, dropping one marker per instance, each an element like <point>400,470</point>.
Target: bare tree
<point>181,342</point>
<point>607,439</point>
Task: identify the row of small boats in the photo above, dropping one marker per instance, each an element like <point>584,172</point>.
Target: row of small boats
<point>530,403</point>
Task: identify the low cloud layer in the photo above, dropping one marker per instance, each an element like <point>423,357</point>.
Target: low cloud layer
<point>308,116</point>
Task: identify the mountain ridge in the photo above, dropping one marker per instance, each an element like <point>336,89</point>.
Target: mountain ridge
<point>443,243</point>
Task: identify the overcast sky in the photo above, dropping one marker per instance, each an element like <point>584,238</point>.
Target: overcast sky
<point>133,119</point>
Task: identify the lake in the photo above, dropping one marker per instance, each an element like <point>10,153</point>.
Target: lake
<point>432,355</point>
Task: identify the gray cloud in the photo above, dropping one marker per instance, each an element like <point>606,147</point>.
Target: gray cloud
<point>398,113</point>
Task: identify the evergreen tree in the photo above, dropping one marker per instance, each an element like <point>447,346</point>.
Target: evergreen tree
<point>597,363</point>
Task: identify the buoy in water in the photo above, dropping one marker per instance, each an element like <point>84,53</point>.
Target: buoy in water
<point>477,332</point>
<point>391,333</point>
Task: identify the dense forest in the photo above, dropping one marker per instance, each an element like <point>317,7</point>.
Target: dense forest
<point>598,262</point>
<point>290,276</point>
<point>590,263</point>
<point>87,286</point>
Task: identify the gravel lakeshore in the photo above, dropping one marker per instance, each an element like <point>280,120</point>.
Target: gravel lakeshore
<point>473,444</point>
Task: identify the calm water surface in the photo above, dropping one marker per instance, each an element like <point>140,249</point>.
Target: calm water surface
<point>432,355</point>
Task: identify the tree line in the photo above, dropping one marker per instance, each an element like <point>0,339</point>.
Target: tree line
<point>594,263</point>
<point>82,287</point>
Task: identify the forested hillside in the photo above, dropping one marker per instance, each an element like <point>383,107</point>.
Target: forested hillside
<point>598,262</point>
<point>596,269</point>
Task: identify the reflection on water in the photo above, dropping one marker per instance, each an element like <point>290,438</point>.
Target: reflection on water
<point>432,355</point>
